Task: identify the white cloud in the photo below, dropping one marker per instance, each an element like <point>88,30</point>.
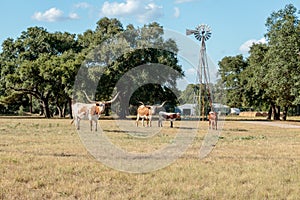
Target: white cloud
<point>93,11</point>
<point>120,9</point>
<point>73,16</point>
<point>82,5</point>
<point>176,12</point>
<point>183,1</point>
<point>53,15</point>
<point>151,12</point>
<point>141,10</point>
<point>245,47</point>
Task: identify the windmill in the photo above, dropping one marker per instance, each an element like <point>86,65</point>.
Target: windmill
<point>202,33</point>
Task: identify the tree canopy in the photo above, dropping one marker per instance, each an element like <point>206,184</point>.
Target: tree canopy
<point>270,75</point>
<point>40,67</point>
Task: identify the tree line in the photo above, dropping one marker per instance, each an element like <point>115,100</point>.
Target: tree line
<point>269,79</point>
<point>38,69</point>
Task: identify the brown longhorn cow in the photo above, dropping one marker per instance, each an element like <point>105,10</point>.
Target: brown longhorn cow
<point>212,120</point>
<point>145,112</point>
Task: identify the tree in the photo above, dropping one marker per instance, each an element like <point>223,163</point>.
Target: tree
<point>187,96</point>
<point>270,76</point>
<point>230,70</point>
<point>257,85</point>
<point>124,51</point>
<point>283,62</point>
<point>44,65</point>
<point>32,67</point>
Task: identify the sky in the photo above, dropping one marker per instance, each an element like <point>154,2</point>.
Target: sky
<point>235,24</point>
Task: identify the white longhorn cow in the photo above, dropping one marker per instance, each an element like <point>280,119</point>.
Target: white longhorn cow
<point>90,111</point>
<point>168,117</point>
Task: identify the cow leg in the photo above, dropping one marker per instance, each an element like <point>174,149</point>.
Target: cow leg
<point>137,120</point>
<point>96,123</point>
<point>150,121</point>
<point>77,121</point>
<point>159,123</point>
<point>171,124</point>
<point>80,115</point>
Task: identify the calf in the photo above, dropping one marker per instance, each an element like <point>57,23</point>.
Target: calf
<point>146,112</point>
<point>212,120</point>
<point>90,111</point>
<point>167,116</point>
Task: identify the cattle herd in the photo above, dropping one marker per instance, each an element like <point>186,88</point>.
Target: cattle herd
<point>93,110</point>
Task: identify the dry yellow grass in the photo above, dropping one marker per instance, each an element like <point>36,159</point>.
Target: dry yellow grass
<point>45,159</point>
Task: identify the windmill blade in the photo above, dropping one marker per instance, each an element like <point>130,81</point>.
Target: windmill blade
<point>189,32</point>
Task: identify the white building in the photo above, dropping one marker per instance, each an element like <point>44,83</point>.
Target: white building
<point>187,109</point>
<point>190,109</point>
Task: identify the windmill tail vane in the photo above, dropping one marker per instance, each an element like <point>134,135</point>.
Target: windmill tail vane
<point>190,32</point>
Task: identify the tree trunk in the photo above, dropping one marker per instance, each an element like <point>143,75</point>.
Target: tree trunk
<point>46,107</point>
<point>30,103</point>
<point>274,111</point>
<point>285,110</point>
<point>41,109</point>
<point>59,109</point>
<point>64,109</point>
<point>107,108</point>
<point>122,111</point>
<point>277,113</point>
<point>270,113</point>
<point>70,107</point>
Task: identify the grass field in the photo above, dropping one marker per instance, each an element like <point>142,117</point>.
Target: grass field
<point>45,159</point>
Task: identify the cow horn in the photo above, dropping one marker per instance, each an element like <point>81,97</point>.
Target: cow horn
<point>160,106</point>
<point>141,103</point>
<point>112,99</point>
<point>88,98</point>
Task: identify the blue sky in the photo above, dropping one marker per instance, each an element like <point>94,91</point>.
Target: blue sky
<point>235,24</point>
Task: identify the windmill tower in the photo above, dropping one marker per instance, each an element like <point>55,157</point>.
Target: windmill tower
<point>202,33</point>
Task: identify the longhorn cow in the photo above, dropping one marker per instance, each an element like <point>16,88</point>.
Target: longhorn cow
<point>212,120</point>
<point>146,112</point>
<point>90,111</point>
<point>168,117</point>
